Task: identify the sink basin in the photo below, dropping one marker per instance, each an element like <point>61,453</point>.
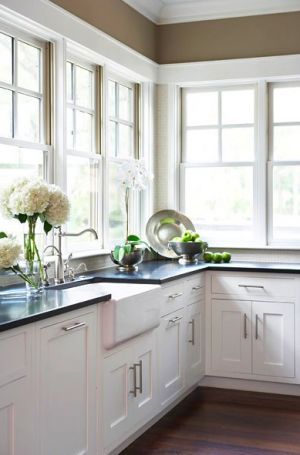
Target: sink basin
<point>80,281</point>
<point>132,310</point>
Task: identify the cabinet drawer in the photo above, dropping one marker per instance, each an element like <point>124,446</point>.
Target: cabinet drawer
<point>172,298</point>
<point>194,289</point>
<point>14,355</point>
<point>255,287</point>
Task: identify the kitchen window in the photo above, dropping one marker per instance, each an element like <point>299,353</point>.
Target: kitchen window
<point>24,121</point>
<point>218,169</point>
<point>122,145</point>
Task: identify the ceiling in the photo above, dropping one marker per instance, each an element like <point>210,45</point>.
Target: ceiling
<point>173,11</point>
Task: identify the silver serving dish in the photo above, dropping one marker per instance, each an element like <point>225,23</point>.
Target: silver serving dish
<point>163,226</point>
<point>130,261</point>
<point>189,252</point>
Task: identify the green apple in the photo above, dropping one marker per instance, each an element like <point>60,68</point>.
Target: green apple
<point>176,239</point>
<point>226,256</point>
<point>186,236</point>
<point>208,256</point>
<point>195,236</point>
<point>217,258</point>
<point>198,240</point>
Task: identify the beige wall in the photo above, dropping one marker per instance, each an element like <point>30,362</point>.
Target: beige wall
<point>255,36</point>
<point>117,19</point>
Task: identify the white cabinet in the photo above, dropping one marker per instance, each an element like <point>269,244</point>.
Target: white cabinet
<point>254,338</point>
<point>172,355</point>
<point>129,394</point>
<point>195,343</point>
<point>274,339</point>
<point>67,385</point>
<point>16,394</point>
<point>231,336</point>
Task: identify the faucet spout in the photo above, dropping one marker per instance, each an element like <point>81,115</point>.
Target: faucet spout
<point>77,234</point>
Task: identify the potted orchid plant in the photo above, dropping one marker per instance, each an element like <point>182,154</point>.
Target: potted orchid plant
<point>133,176</point>
<point>28,201</point>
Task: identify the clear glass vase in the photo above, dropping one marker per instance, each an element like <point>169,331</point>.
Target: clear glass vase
<point>34,282</point>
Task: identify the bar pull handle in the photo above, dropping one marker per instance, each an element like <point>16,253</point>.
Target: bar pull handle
<point>134,391</point>
<point>196,288</point>
<point>74,326</point>
<point>175,296</point>
<point>253,286</point>
<point>192,322</point>
<point>176,319</point>
<point>256,326</point>
<point>140,365</point>
<point>245,326</point>
<point>137,388</point>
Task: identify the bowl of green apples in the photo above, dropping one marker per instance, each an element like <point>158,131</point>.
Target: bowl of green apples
<point>188,247</point>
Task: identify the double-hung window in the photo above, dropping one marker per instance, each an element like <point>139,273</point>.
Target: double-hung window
<point>24,143</point>
<point>218,166</point>
<point>83,160</point>
<point>122,145</point>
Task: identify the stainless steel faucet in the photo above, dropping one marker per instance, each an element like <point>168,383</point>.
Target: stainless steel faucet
<point>59,276</point>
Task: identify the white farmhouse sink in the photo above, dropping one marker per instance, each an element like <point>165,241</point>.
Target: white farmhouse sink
<point>132,310</point>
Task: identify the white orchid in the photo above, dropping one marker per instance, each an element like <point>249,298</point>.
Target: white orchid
<point>134,175</point>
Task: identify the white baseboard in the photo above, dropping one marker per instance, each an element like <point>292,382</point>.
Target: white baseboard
<point>250,385</point>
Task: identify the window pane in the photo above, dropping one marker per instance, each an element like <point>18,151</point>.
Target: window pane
<point>28,118</point>
<point>201,108</point>
<point>286,104</point>
<point>112,132</point>
<point>202,145</point>
<point>125,103</point>
<point>82,191</point>
<point>286,202</point>
<point>5,113</point>
<point>238,144</point>
<point>70,128</point>
<point>83,87</point>
<point>15,163</point>
<point>6,58</point>
<point>286,142</point>
<point>237,106</point>
<point>221,196</point>
<point>112,98</point>
<point>84,127</point>
<point>125,141</point>
<point>70,95</point>
<point>28,66</point>
<point>116,214</point>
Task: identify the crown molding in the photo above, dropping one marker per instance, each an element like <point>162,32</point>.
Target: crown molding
<point>176,11</point>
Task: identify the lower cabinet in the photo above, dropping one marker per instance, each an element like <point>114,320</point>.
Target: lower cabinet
<point>253,337</point>
<point>195,343</point>
<point>129,394</point>
<point>67,385</point>
<point>172,348</point>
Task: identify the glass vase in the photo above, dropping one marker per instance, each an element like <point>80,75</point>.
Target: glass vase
<point>34,281</point>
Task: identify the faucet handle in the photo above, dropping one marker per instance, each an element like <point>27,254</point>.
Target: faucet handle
<point>46,281</point>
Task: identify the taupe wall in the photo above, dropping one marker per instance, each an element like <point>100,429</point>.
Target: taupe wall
<point>255,36</point>
<point>117,19</point>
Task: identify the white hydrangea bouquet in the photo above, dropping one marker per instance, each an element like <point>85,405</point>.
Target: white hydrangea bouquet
<point>133,176</point>
<point>30,200</point>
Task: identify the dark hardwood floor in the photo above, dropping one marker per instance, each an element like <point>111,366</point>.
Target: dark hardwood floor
<point>225,422</point>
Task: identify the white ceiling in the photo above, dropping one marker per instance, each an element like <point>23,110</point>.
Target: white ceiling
<point>172,11</point>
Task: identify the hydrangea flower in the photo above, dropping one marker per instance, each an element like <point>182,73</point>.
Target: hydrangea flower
<point>10,251</point>
<point>58,209</point>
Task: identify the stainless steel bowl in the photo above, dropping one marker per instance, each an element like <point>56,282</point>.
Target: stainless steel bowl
<point>188,252</point>
<point>130,261</point>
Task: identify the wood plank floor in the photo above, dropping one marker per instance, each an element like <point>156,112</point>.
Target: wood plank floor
<point>225,422</point>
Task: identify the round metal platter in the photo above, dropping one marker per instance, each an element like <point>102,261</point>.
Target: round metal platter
<point>163,226</point>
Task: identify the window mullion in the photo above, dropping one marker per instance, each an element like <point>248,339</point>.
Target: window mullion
<point>220,125</point>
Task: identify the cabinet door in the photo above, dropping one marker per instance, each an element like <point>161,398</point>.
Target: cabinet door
<point>231,336</point>
<point>117,395</point>
<point>171,353</point>
<point>145,362</point>
<point>195,343</point>
<point>67,377</point>
<point>273,339</point>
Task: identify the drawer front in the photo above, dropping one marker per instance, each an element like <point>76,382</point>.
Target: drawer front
<point>254,287</point>
<point>172,298</point>
<point>14,356</point>
<point>194,289</point>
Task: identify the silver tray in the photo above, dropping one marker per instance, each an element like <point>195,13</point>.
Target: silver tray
<point>163,226</point>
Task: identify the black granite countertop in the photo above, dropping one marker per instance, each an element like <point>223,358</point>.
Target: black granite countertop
<point>16,308</point>
<point>163,271</point>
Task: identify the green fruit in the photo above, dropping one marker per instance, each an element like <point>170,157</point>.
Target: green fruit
<point>226,256</point>
<point>217,258</point>
<point>208,256</point>
<point>198,240</point>
<point>186,236</point>
<point>176,239</point>
<point>195,236</point>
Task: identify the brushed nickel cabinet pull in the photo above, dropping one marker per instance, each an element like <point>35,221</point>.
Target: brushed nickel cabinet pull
<point>176,319</point>
<point>256,326</point>
<point>74,326</point>
<point>253,286</point>
<point>137,388</point>
<point>140,365</point>
<point>245,326</point>
<point>175,296</point>
<point>192,322</point>
<point>196,288</point>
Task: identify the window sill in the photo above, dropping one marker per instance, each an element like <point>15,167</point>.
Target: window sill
<point>256,247</point>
